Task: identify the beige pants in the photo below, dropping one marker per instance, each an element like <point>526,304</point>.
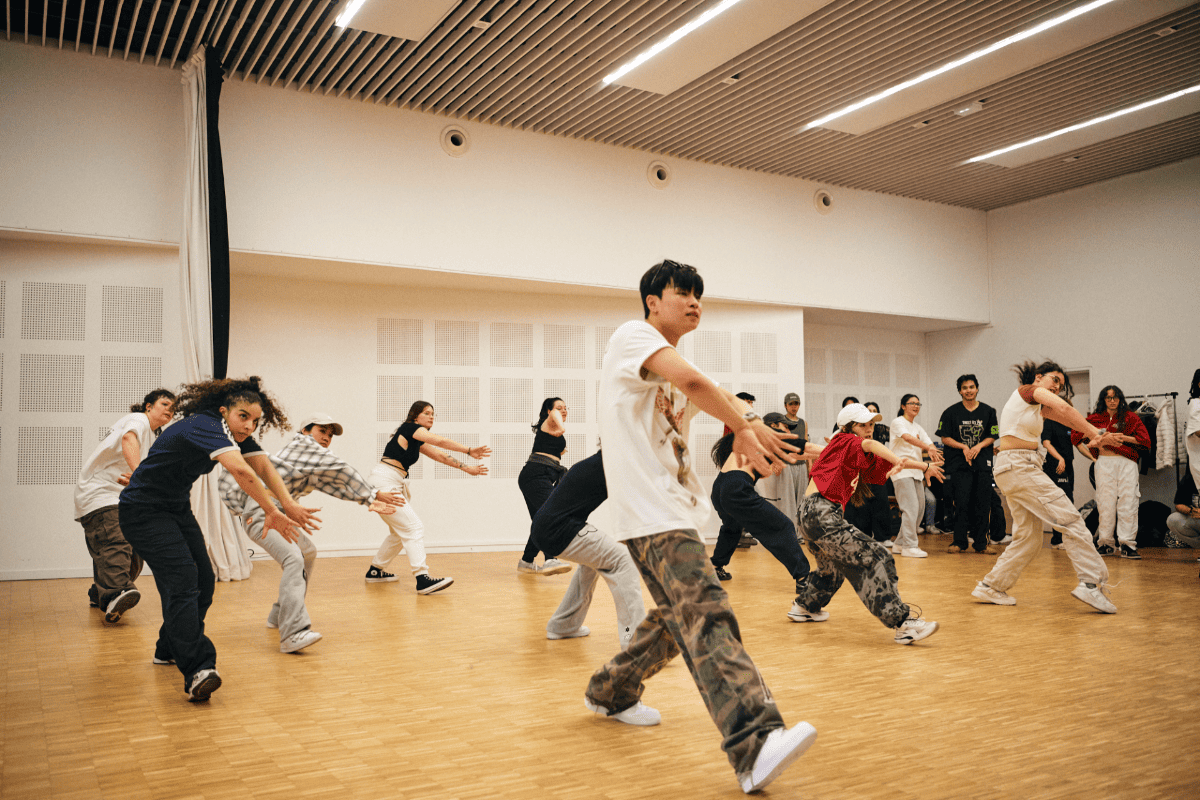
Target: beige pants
<point>1117,497</point>
<point>1032,496</point>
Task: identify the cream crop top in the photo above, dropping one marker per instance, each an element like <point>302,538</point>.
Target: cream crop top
<point>1021,417</point>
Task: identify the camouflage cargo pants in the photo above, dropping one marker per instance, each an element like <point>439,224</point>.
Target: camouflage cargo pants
<point>842,551</point>
<point>693,617</point>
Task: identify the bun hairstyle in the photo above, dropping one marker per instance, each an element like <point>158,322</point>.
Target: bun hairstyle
<point>1027,372</point>
<point>547,407</point>
<point>227,393</point>
<point>152,398</point>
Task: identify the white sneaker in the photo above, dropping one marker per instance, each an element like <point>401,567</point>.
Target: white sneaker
<point>204,683</point>
<point>636,714</point>
<point>914,552</point>
<point>780,750</point>
<point>120,604</point>
<point>582,630</point>
<point>914,630</point>
<point>1059,546</point>
<point>1006,540</point>
<point>990,595</point>
<point>1094,596</point>
<point>801,614</point>
<point>272,624</point>
<point>298,641</point>
<point>553,566</point>
<point>528,568</point>
<point>897,549</point>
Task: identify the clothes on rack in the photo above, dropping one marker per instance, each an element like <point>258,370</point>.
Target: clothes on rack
<point>1168,448</point>
<point>1146,413</point>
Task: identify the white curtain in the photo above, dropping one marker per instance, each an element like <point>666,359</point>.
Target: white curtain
<point>227,545</point>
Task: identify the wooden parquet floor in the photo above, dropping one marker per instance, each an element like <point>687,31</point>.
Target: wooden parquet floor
<point>459,694</point>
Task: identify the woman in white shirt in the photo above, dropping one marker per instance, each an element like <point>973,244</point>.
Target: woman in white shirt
<point>909,440</point>
<point>1191,430</point>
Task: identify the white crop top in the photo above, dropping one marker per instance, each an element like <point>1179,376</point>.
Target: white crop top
<point>1021,418</point>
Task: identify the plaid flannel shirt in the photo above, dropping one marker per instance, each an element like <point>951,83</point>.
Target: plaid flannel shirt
<point>304,466</point>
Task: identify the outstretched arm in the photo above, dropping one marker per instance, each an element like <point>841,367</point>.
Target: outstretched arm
<point>248,478</point>
<point>425,437</point>
<point>451,461</point>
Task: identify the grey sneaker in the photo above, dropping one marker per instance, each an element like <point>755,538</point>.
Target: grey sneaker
<point>636,714</point>
<point>120,604</point>
<point>581,631</point>
<point>799,613</point>
<point>990,595</point>
<point>204,683</point>
<point>298,641</point>
<point>553,566</point>
<point>1095,596</point>
<point>778,752</point>
<point>528,568</point>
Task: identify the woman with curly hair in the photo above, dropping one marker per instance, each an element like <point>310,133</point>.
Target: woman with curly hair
<point>1117,489</point>
<point>540,475</point>
<point>219,418</point>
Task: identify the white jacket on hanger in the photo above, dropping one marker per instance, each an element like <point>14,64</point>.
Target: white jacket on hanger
<point>1167,446</point>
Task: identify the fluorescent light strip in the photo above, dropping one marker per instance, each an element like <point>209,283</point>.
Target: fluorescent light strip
<point>670,40</point>
<point>1047,25</point>
<point>344,18</point>
<point>1088,124</point>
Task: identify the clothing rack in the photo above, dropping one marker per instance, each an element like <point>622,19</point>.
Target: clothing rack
<point>1174,423</point>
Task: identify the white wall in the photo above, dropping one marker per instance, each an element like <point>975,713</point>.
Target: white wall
<point>1102,278</point>
<point>95,146</point>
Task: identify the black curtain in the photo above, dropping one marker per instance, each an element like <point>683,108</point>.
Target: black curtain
<point>218,218</point>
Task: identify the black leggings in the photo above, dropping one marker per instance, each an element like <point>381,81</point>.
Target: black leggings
<point>536,481</point>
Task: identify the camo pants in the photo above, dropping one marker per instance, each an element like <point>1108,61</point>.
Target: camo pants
<point>842,551</point>
<point>692,617</point>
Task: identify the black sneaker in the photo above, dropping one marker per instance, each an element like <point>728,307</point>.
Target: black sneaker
<point>376,575</point>
<point>1129,552</point>
<point>429,585</point>
<point>722,575</point>
<point>1105,549</point>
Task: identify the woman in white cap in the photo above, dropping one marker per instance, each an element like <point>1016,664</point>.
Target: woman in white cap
<point>909,440</point>
<point>850,461</point>
<point>305,464</point>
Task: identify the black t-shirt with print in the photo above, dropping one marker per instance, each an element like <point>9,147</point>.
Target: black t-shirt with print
<point>969,428</point>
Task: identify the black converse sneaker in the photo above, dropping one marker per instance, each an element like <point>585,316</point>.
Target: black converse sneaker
<point>376,575</point>
<point>429,585</point>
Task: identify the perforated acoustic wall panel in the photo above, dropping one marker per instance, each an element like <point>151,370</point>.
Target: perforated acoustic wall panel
<point>817,415</point>
<point>455,344</point>
<point>701,462</point>
<point>443,472</point>
<point>814,366</point>
<point>395,394</point>
<point>573,391</point>
<point>456,399</point>
<point>509,453</point>
<point>908,372</point>
<point>2,305</point>
<point>415,472</point>
<point>124,380</point>
<point>101,432</point>
<point>1,381</point>
<point>51,383</point>
<point>577,449</point>
<point>845,367</point>
<point>767,397</point>
<point>714,351</point>
<point>760,352</point>
<point>512,345</point>
<point>563,346</point>
<point>131,314</point>
<point>398,341</point>
<point>878,367</point>
<point>47,456</point>
<point>53,311</point>
<point>603,334</point>
<point>513,400</point>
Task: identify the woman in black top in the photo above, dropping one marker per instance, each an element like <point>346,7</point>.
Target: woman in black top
<point>405,530</point>
<point>539,476</point>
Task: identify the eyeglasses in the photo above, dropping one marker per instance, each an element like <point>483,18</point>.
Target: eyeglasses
<point>913,403</point>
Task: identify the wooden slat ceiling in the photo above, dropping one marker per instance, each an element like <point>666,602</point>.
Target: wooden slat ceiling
<point>538,67</point>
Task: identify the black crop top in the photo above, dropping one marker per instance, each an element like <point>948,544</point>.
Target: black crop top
<point>394,451</point>
<point>548,444</point>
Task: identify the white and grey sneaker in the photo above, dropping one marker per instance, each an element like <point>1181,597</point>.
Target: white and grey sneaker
<point>204,683</point>
<point>298,641</point>
<point>990,595</point>
<point>581,631</point>
<point>780,750</point>
<point>915,628</point>
<point>528,568</point>
<point>120,604</point>
<point>799,613</point>
<point>636,714</point>
<point>554,566</point>
<point>1095,595</point>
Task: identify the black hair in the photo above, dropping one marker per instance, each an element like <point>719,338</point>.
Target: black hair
<point>547,407</point>
<point>722,450</point>
<point>847,400</point>
<point>904,401</point>
<point>749,398</point>
<point>670,273</point>
<point>227,393</point>
<point>1027,372</point>
<point>870,403</point>
<point>1195,390</point>
<point>152,398</point>
<point>964,378</point>
<point>416,410</point>
<point>1122,406</point>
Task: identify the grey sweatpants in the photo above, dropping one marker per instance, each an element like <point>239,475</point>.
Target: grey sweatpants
<point>599,556</point>
<point>297,561</point>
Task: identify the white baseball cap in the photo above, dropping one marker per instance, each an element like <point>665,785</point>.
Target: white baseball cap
<point>321,419</point>
<point>856,412</point>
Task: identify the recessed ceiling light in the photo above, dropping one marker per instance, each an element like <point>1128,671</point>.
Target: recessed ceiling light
<point>732,79</point>
<point>1087,124</point>
<point>1165,31</point>
<point>344,19</point>
<point>923,124</point>
<point>1069,159</point>
<point>933,73</point>
<point>482,24</point>
<point>969,108</point>
<point>675,36</point>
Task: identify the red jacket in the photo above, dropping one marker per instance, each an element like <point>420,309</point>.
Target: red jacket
<point>842,464</point>
<point>1133,427</point>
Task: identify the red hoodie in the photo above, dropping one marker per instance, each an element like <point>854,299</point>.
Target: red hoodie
<point>1133,427</point>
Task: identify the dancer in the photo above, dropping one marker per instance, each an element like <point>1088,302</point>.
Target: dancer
<point>405,530</point>
<point>219,418</point>
<point>909,441</point>
<point>648,396</point>
<point>539,475</point>
<point>874,516</point>
<point>1032,496</point>
<point>1117,483</point>
<point>743,509</point>
<point>115,567</point>
<point>561,529</point>
<point>852,460</point>
<point>305,465</point>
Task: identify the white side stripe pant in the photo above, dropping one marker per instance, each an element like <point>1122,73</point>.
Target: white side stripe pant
<point>1117,496</point>
<point>405,530</point>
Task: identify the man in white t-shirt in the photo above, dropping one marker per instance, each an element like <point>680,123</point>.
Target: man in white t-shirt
<point>648,396</point>
<point>114,564</point>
